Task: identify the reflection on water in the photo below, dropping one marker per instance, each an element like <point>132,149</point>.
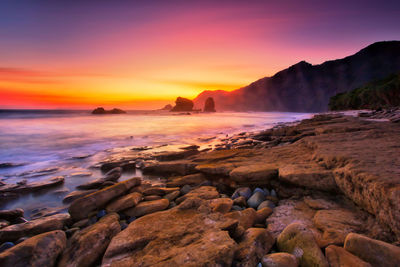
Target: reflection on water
<point>72,141</point>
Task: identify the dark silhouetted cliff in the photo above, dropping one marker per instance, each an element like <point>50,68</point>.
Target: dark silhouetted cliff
<point>307,88</point>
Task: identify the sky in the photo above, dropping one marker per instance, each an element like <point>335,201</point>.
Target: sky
<point>143,54</point>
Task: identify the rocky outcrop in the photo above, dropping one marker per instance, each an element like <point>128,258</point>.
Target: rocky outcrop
<point>86,247</point>
<point>34,227</point>
<point>38,251</point>
<point>182,104</point>
<point>80,208</point>
<point>102,111</point>
<point>209,105</point>
<point>306,87</point>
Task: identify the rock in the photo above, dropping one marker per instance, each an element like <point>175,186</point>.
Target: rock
<point>81,224</point>
<point>266,204</point>
<point>281,259</point>
<point>4,223</point>
<point>255,200</point>
<point>71,231</point>
<point>6,245</point>
<point>273,193</point>
<point>240,201</point>
<point>35,186</point>
<point>167,107</point>
<point>102,111</point>
<point>336,224</point>
<point>159,191</point>
<point>81,207</point>
<point>259,174</point>
<point>209,105</point>
<point>308,176</point>
<point>191,179</point>
<point>38,251</point>
<point>373,251</point>
<point>222,205</point>
<point>152,197</point>
<point>175,237</point>
<point>101,213</point>
<point>242,191</point>
<point>262,191</point>
<point>11,215</point>
<point>256,242</point>
<point>262,215</point>
<point>172,196</point>
<point>88,246</point>
<point>93,184</point>
<point>246,218</point>
<point>203,192</point>
<point>185,189</point>
<point>147,207</point>
<point>339,257</point>
<point>80,174</point>
<point>77,194</point>
<point>299,240</point>
<point>105,167</point>
<point>34,227</point>
<point>113,174</point>
<point>170,168</point>
<point>320,204</point>
<point>176,155</point>
<point>182,104</point>
<point>124,202</point>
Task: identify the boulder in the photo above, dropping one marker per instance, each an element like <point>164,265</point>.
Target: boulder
<point>209,105</point>
<point>256,242</point>
<point>266,204</point>
<point>175,237</point>
<point>11,215</point>
<point>81,207</point>
<point>34,227</point>
<point>169,168</point>
<point>87,247</point>
<point>259,174</point>
<point>203,192</point>
<point>35,186</point>
<point>339,257</point>
<point>375,252</point>
<point>281,259</point>
<point>191,179</point>
<point>222,205</point>
<point>124,202</point>
<point>240,201</point>
<point>38,251</point>
<point>297,239</point>
<point>182,104</point>
<point>172,196</point>
<point>147,207</point>
<point>93,184</point>
<point>246,218</point>
<point>336,224</point>
<point>77,194</point>
<point>151,197</point>
<point>255,200</point>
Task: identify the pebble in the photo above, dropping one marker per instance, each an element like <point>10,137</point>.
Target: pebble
<point>273,193</point>
<point>236,207</point>
<point>256,199</point>
<point>266,204</point>
<point>124,225</point>
<point>131,219</point>
<point>22,239</point>
<point>6,245</point>
<point>101,213</point>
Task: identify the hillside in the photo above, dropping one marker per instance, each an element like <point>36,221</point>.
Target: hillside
<point>383,93</point>
<point>307,88</point>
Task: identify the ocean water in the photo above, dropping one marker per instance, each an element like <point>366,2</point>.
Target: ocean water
<point>45,143</point>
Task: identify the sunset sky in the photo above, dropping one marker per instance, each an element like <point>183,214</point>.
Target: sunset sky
<point>143,54</point>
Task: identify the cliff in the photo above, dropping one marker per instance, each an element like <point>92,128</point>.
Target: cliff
<point>307,88</point>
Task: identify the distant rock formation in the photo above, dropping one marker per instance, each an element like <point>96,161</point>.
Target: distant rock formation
<point>209,105</point>
<point>307,88</point>
<point>183,104</point>
<point>167,107</point>
<point>101,111</point>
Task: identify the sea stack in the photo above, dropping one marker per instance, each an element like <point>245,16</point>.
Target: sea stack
<point>209,105</point>
<point>183,104</point>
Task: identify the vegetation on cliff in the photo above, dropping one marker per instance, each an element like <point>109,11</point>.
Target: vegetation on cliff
<point>383,93</point>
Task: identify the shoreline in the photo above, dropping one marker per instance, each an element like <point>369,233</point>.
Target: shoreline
<point>322,180</point>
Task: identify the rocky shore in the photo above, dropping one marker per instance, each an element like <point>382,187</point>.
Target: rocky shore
<point>323,192</point>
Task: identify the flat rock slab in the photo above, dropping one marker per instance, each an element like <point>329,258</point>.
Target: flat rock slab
<point>256,174</point>
<point>26,188</point>
<point>35,227</point>
<point>203,192</point>
<point>124,202</point>
<point>147,207</point>
<point>38,251</point>
<point>173,238</point>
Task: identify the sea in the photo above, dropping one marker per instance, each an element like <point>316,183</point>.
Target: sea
<point>36,145</point>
